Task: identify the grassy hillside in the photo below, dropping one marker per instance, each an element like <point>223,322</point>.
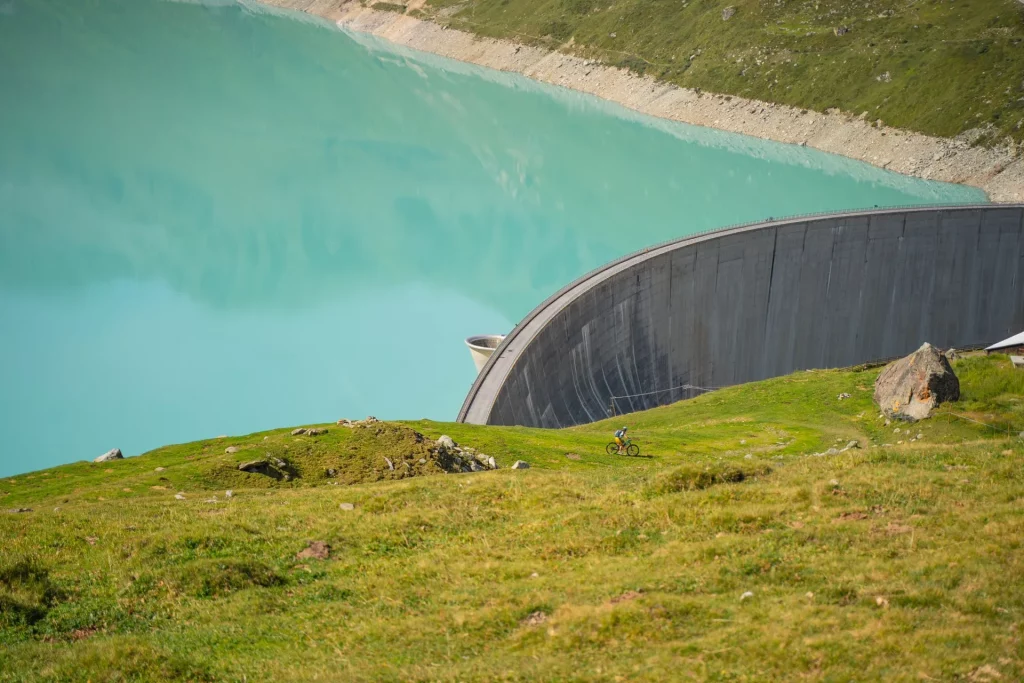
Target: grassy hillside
<point>940,67</point>
<point>897,560</point>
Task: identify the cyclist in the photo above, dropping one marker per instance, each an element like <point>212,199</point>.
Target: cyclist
<point>620,438</point>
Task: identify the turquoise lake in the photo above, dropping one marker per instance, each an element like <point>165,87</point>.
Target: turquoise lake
<point>216,219</point>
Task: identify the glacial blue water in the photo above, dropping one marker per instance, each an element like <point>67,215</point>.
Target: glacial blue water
<point>216,219</point>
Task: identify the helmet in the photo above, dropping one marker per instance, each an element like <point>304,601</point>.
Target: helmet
<point>625,428</point>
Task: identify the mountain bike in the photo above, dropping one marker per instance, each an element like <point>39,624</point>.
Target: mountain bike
<point>630,448</point>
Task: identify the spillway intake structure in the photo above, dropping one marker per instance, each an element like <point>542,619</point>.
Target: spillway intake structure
<point>761,300</point>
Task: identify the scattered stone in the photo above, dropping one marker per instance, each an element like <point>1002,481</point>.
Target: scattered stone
<point>809,595</point>
<point>728,13</point>
<point>391,465</point>
<point>229,493</point>
<point>297,432</point>
<point>611,35</point>
<point>317,550</point>
<point>232,449</point>
<point>491,462</point>
<point>534,575</point>
<point>888,422</point>
<point>574,456</point>
<point>211,500</point>
<point>15,511</point>
<point>748,456</point>
<point>343,422</point>
<point>1021,435</point>
<point>920,436</point>
<point>841,30</point>
<point>370,419</point>
<point>851,444</point>
<point>952,355</point>
<point>91,540</point>
<point>160,469</point>
<point>535,619</point>
<point>746,596</point>
<point>881,602</point>
<point>446,443</point>
<point>843,396</point>
<point>113,454</point>
<point>474,466</point>
<point>179,496</point>
<point>347,506</point>
<point>884,78</point>
<point>331,472</point>
<point>254,466</point>
<point>266,438</point>
<point>316,431</point>
<point>834,483</point>
<point>520,465</point>
<point>910,388</point>
<point>896,431</point>
<point>423,461</point>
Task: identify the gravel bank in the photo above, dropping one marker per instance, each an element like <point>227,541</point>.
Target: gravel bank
<point>999,172</point>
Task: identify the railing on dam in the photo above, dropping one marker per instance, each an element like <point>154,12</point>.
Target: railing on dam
<point>755,301</point>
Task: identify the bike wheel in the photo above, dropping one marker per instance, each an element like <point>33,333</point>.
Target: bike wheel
<point>632,449</point>
<point>611,449</point>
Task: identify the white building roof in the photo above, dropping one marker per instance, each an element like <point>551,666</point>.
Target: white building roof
<point>1015,340</point>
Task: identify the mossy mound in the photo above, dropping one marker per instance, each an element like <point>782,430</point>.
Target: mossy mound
<point>379,451</point>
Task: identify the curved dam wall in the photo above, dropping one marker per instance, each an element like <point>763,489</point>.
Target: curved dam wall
<point>747,303</point>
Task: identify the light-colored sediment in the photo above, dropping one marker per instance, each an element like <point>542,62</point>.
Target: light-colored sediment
<point>998,171</point>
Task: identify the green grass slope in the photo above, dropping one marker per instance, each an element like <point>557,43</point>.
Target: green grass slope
<point>940,67</point>
<point>897,560</point>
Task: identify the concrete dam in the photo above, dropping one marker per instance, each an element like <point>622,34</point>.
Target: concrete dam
<point>757,301</point>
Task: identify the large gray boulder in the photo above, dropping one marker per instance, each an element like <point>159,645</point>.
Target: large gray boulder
<point>911,387</point>
<point>114,454</point>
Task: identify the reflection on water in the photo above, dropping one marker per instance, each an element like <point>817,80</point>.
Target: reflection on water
<point>215,220</point>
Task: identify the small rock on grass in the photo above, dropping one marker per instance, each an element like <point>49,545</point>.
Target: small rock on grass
<point>317,550</point>
<point>179,496</point>
<point>520,465</point>
<point>347,506</point>
<point>229,493</point>
<point>160,469</point>
<point>746,596</point>
<point>535,619</point>
<point>297,432</point>
<point>15,511</point>
<point>231,449</point>
<point>113,454</point>
<point>446,442</point>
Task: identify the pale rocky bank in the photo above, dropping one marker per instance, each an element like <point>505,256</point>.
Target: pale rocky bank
<point>997,171</point>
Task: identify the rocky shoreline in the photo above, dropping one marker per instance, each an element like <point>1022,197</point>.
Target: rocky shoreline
<point>999,172</point>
